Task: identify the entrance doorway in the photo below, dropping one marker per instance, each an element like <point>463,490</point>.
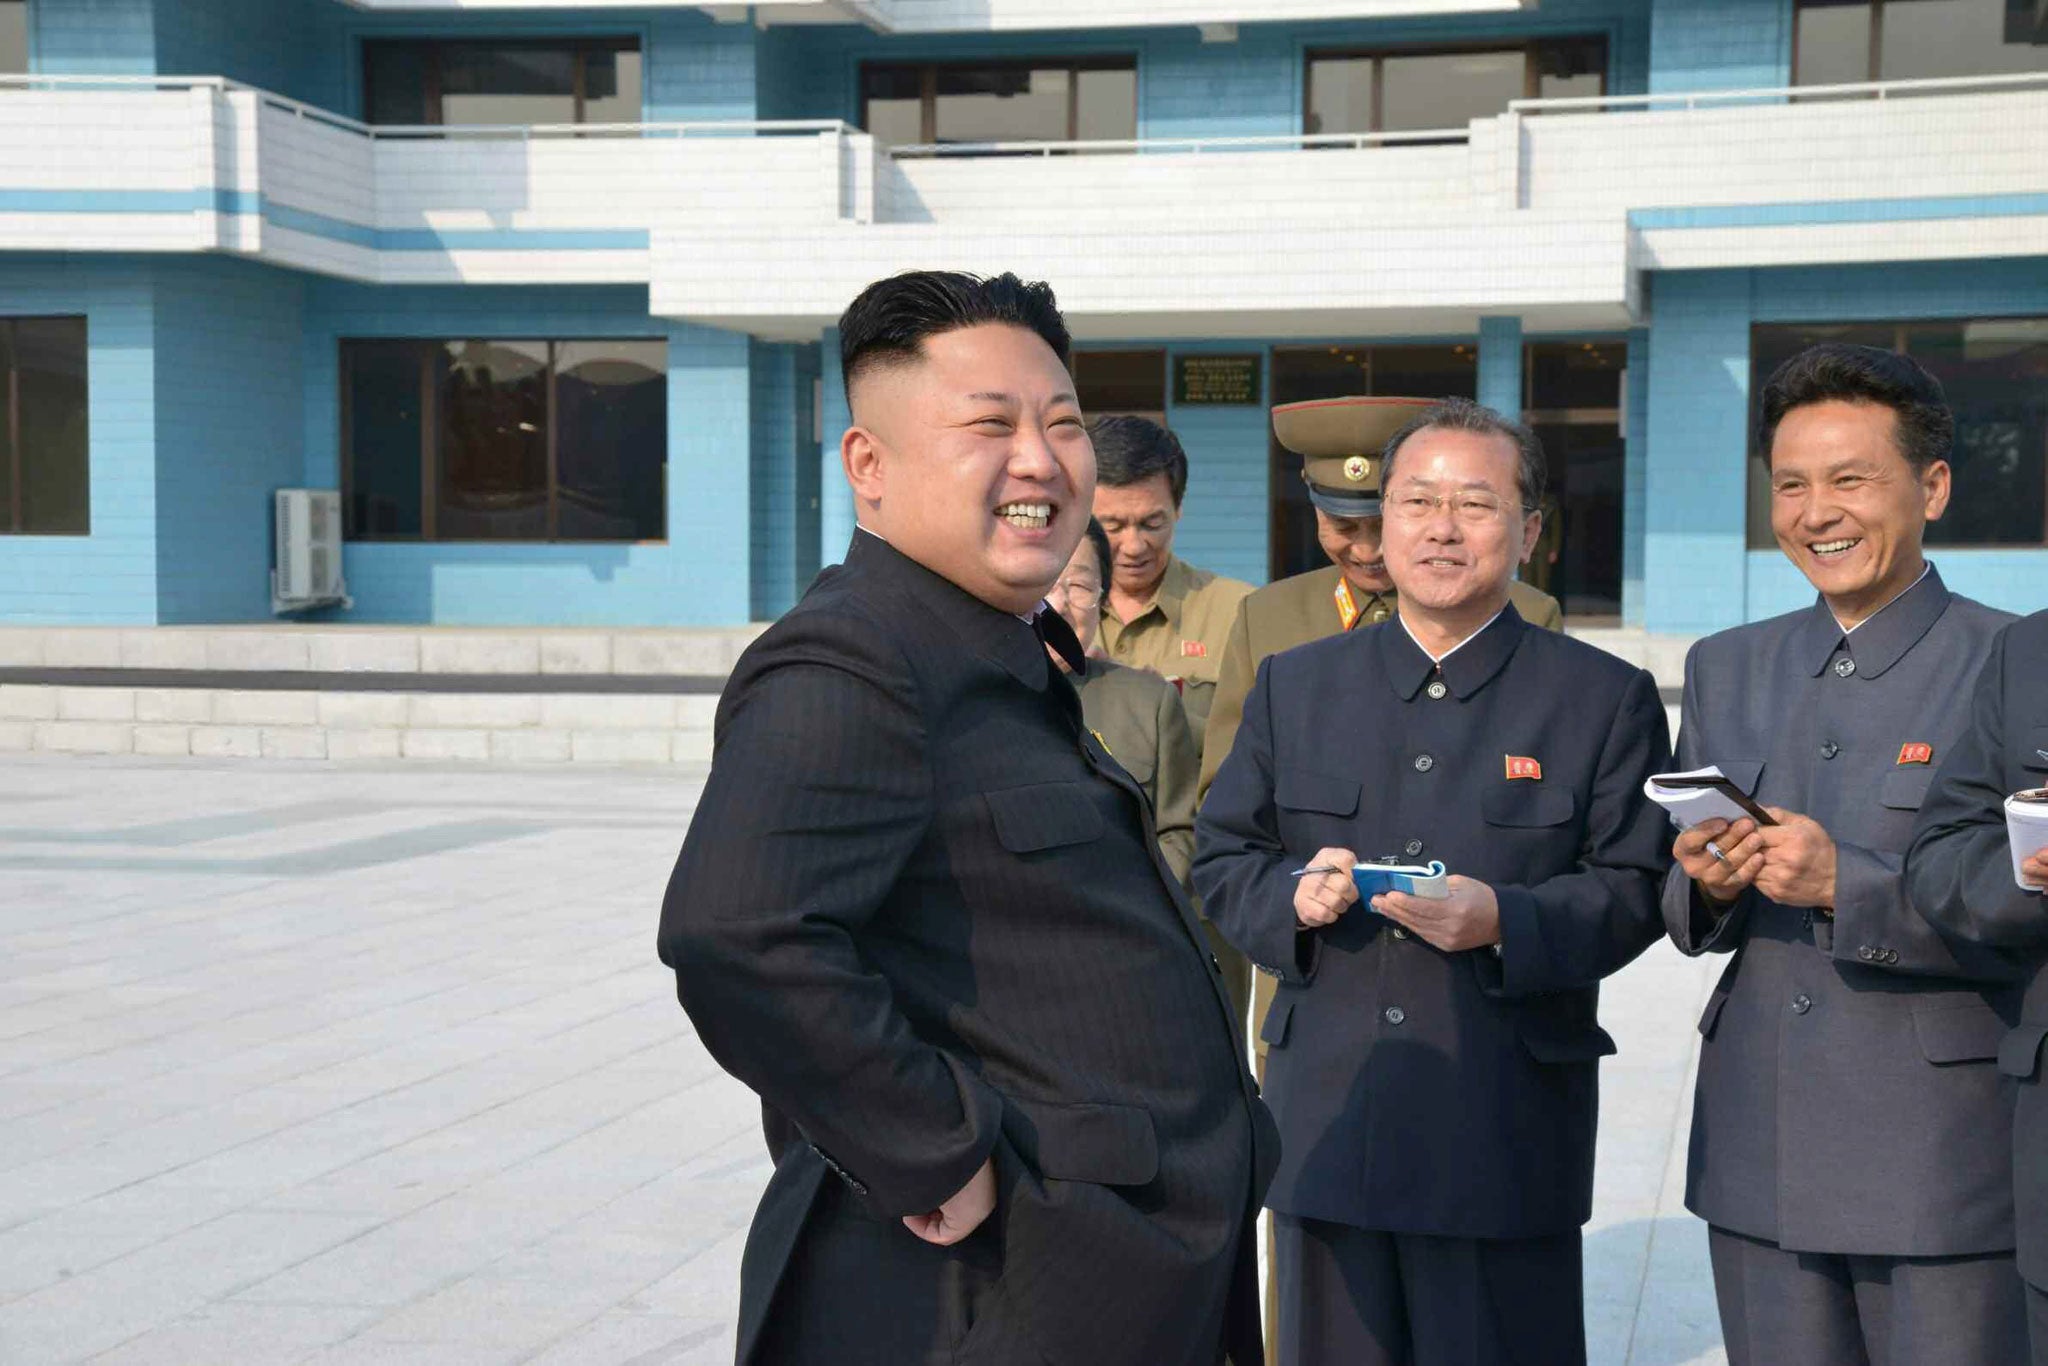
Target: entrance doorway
<point>1572,397</point>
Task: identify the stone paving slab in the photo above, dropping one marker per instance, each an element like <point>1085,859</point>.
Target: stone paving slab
<point>346,1064</point>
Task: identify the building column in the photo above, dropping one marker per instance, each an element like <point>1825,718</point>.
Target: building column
<point>1635,436</point>
<point>1695,464</point>
<point>1500,365</point>
<point>835,499</point>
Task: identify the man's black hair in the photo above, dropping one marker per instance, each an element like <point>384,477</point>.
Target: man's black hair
<point>1926,428</point>
<point>888,323</point>
<point>1130,450</point>
<point>1099,538</point>
<point>1463,415</point>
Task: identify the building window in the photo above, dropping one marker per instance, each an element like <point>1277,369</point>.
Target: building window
<point>44,489</point>
<point>589,80</point>
<point>1572,398</point>
<point>505,440</point>
<point>1063,100</point>
<point>1995,373</point>
<point>1410,89</point>
<point>13,37</point>
<point>1843,42</point>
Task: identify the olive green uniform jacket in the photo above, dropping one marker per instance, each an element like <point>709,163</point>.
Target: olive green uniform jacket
<point>1139,719</point>
<point>1180,633</point>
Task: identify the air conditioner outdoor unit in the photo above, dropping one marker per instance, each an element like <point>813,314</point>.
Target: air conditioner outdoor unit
<point>308,568</point>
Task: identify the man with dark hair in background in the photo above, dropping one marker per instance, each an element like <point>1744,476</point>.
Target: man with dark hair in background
<point>1850,1135</point>
<point>1433,1063</point>
<point>1162,613</point>
<point>923,913</point>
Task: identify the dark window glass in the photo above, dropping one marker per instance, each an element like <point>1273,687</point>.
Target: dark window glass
<point>1301,373</point>
<point>1116,382</point>
<point>45,488</point>
<point>1573,400</point>
<point>13,36</point>
<point>1995,374</point>
<point>493,467</point>
<point>513,82</point>
<point>1845,41</point>
<point>1037,101</point>
<point>385,421</point>
<point>515,440</point>
<point>611,425</point>
<point>1405,90</point>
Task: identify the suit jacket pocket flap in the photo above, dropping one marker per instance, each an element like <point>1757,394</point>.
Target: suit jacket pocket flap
<point>1903,789</point>
<point>1043,816</point>
<point>2021,1050</point>
<point>1307,790</point>
<point>1108,1145</point>
<point>1712,1014</point>
<point>1967,1032</point>
<point>1551,1040</point>
<point>1526,804</point>
<point>1273,1032</point>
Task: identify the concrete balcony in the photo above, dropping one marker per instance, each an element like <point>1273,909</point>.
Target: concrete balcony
<point>992,16</point>
<point>1552,211</point>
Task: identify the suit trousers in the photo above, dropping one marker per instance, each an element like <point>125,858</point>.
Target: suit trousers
<point>2037,1323</point>
<point>1359,1297</point>
<point>1823,1309</point>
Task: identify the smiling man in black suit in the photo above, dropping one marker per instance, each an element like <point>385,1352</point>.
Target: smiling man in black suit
<point>923,913</point>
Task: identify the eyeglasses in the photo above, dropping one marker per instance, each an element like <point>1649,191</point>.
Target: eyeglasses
<point>1473,509</point>
<point>1081,595</point>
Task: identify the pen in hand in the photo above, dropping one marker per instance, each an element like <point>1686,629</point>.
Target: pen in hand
<point>1317,868</point>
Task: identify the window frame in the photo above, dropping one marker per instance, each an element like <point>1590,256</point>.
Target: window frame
<point>928,84</point>
<point>1756,520</point>
<point>11,509</point>
<point>578,45</point>
<point>1873,62</point>
<point>1532,75</point>
<point>425,349</point>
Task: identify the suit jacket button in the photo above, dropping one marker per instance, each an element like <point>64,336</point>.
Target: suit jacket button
<point>1424,763</point>
<point>1866,953</point>
<point>1829,749</point>
<point>1845,667</point>
<point>1399,933</point>
<point>1891,955</point>
<point>1437,691</point>
<point>1801,1003</point>
<point>1394,1015</point>
<point>1412,848</point>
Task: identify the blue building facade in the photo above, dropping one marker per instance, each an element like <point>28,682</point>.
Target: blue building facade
<point>548,294</point>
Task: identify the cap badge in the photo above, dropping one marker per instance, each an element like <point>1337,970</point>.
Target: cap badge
<point>1357,468</point>
<point>1520,767</point>
<point>1916,754</point>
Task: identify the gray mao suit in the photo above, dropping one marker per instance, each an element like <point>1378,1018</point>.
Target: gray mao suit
<point>1850,1142</point>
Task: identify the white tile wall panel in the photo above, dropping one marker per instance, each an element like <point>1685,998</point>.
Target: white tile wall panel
<point>1941,239</point>
<point>954,16</point>
<point>101,140</point>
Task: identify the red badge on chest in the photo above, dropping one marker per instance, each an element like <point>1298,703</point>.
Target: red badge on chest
<point>1520,767</point>
<point>1193,649</point>
<point>1916,754</point>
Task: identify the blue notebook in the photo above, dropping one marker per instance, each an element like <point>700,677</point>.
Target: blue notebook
<point>1373,878</point>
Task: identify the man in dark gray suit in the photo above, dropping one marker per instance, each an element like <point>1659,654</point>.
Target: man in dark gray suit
<point>1960,874</point>
<point>1849,1141</point>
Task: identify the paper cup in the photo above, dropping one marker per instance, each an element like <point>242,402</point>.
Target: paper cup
<point>2026,828</point>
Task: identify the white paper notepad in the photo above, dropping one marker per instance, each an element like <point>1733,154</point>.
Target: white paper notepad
<point>2026,829</point>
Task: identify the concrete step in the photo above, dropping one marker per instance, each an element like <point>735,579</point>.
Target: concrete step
<point>555,727</point>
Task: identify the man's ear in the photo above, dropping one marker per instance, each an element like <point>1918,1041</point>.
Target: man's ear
<point>860,453</point>
<point>1532,531</point>
<point>1935,484</point>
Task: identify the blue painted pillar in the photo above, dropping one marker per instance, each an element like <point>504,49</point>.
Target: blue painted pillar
<point>1635,435</point>
<point>1696,477</point>
<point>710,477</point>
<point>1500,364</point>
<point>835,499</point>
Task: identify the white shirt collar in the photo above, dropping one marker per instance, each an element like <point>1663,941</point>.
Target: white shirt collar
<point>1455,648</point>
<point>1852,630</point>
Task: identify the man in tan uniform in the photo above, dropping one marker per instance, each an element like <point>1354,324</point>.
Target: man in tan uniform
<point>1339,441</point>
<point>1162,613</point>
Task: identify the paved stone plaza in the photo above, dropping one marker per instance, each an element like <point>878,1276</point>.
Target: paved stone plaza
<point>304,1062</point>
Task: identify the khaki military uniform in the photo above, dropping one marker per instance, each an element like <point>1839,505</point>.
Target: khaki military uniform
<point>1179,634</point>
<point>1139,719</point>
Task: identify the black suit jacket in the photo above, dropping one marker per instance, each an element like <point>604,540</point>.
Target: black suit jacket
<point>1419,1091</point>
<point>922,913</point>
<point>1847,1100</point>
<point>1959,871</point>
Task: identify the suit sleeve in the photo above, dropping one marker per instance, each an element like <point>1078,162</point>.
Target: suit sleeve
<point>1241,871</point>
<point>1226,706</point>
<point>1572,930</point>
<point>1173,782</point>
<point>1695,924</point>
<point>1959,869</point>
<point>819,793</point>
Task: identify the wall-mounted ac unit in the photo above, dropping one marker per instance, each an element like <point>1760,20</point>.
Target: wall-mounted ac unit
<point>308,568</point>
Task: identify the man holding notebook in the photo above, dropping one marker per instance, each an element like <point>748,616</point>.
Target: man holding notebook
<point>1977,868</point>
<point>1849,1145</point>
<point>1433,1054</point>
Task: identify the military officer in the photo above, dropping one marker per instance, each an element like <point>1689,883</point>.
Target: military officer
<point>1162,613</point>
<point>1135,713</point>
<point>1433,1063</point>
<point>1849,1142</point>
<point>1959,873</point>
